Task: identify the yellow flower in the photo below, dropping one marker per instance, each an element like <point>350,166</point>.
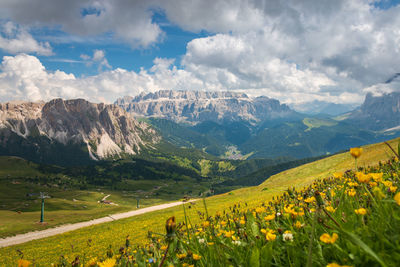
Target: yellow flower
<point>92,262</point>
<point>377,176</point>
<point>356,152</point>
<point>269,217</point>
<point>181,256</point>
<point>196,257</point>
<point>163,247</point>
<point>351,192</point>
<point>334,264</point>
<point>229,233</point>
<point>310,199</point>
<point>242,221</point>
<point>363,178</point>
<point>298,224</point>
<point>270,235</point>
<point>393,189</point>
<point>206,224</point>
<point>223,223</point>
<point>373,184</point>
<point>107,263</point>
<point>260,210</point>
<point>387,183</point>
<point>338,175</point>
<point>23,263</point>
<point>328,239</point>
<point>361,211</point>
<point>397,198</point>
<point>330,209</point>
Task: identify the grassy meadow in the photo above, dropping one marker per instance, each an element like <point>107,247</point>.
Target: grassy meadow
<point>241,214</point>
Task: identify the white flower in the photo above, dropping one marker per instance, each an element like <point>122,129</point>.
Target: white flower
<point>201,241</point>
<point>237,242</point>
<point>287,237</point>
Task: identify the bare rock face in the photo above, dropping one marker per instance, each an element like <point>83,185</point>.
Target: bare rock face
<point>106,130</point>
<point>378,112</point>
<point>199,106</point>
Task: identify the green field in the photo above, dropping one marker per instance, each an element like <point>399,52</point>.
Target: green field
<point>48,250</point>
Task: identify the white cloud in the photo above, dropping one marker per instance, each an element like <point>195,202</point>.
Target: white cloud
<point>99,58</point>
<point>128,21</point>
<point>23,77</point>
<point>15,39</point>
<point>296,51</point>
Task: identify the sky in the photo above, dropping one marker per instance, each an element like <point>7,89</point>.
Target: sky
<point>295,51</point>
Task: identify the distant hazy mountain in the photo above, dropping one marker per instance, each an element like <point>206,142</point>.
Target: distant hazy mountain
<point>67,131</point>
<point>378,112</point>
<point>322,107</point>
<point>200,106</point>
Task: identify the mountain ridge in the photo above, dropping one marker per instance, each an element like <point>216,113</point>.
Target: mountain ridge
<point>101,130</point>
<point>199,106</point>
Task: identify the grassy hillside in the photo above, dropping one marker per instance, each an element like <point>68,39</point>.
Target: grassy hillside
<point>96,239</point>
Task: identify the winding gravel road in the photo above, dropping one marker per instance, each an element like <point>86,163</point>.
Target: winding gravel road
<point>22,238</point>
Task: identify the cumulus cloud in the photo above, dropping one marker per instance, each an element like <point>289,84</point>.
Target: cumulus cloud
<point>128,21</point>
<point>296,51</point>
<point>99,58</point>
<point>15,39</point>
<point>23,77</point>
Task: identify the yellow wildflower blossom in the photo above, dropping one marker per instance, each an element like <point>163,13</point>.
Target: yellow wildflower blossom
<point>270,235</point>
<point>338,175</point>
<point>330,209</point>
<point>196,257</point>
<point>310,199</point>
<point>107,263</point>
<point>328,239</point>
<point>356,152</point>
<point>298,224</point>
<point>351,192</point>
<point>269,217</point>
<point>334,264</point>
<point>363,178</point>
<point>377,176</point>
<point>393,189</point>
<point>360,211</point>
<point>397,198</point>
<point>23,263</point>
<point>181,256</point>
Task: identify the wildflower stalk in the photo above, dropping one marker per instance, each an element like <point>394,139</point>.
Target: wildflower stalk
<point>309,257</point>
<point>186,223</point>
<point>165,255</point>
<point>205,206</point>
<point>391,148</point>
<point>330,217</point>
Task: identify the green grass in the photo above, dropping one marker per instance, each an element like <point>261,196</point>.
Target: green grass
<point>17,167</point>
<point>316,123</point>
<point>20,212</point>
<point>45,251</point>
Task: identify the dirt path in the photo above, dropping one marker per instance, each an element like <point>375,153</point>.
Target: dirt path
<point>22,238</point>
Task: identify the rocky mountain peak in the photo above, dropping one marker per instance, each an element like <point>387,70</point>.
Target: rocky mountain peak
<point>378,112</point>
<point>198,106</point>
<point>105,130</point>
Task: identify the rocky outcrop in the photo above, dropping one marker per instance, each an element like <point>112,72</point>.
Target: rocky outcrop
<point>105,130</point>
<point>378,112</point>
<point>199,106</point>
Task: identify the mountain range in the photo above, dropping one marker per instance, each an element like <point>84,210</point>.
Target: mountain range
<point>220,124</point>
<point>68,131</point>
<point>201,106</point>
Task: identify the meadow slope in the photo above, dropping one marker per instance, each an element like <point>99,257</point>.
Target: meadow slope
<point>95,240</point>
